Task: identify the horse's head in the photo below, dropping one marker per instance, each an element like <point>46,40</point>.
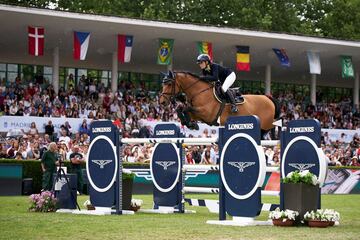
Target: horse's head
<point>170,89</point>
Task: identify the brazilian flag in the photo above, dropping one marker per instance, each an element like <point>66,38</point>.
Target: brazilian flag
<point>165,51</point>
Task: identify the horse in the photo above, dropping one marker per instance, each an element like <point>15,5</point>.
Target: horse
<point>203,105</point>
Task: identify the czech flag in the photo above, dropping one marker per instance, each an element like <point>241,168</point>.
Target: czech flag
<point>243,58</point>
<point>36,41</point>
<point>81,45</point>
<point>124,48</point>
<point>205,48</point>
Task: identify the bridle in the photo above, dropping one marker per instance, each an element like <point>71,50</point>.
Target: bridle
<point>171,97</point>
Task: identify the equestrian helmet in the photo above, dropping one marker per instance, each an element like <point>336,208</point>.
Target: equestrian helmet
<point>203,58</point>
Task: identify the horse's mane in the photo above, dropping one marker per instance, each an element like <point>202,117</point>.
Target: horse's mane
<point>187,72</point>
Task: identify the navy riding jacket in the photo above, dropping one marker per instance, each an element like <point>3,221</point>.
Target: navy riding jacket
<point>215,72</point>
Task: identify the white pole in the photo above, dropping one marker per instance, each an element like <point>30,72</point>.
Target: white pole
<point>169,140</point>
<point>114,72</point>
<point>268,79</point>
<point>55,79</point>
<point>313,89</point>
<point>356,89</point>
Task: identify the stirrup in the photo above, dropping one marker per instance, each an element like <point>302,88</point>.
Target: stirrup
<point>234,108</point>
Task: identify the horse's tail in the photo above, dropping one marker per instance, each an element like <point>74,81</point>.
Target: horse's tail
<point>277,106</point>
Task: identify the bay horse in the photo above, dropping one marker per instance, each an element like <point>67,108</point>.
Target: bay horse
<point>203,106</point>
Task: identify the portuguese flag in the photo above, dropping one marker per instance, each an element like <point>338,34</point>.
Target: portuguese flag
<point>205,48</point>
<point>243,58</point>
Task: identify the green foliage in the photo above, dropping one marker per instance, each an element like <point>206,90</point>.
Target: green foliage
<point>328,18</point>
<point>305,177</point>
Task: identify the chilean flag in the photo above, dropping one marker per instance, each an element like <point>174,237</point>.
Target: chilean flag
<point>36,41</point>
<point>81,44</point>
<point>124,48</point>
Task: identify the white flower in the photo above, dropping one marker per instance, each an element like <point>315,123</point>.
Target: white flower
<point>314,180</point>
<point>287,214</point>
<point>136,202</point>
<point>87,202</point>
<point>289,175</point>
<point>304,173</point>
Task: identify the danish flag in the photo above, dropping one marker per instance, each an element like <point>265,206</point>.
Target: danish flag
<point>36,41</point>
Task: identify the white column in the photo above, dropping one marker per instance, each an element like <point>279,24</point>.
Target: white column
<point>55,69</point>
<point>268,79</point>
<point>356,89</point>
<point>313,89</point>
<point>114,72</point>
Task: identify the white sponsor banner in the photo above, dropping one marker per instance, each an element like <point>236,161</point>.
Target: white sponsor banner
<point>335,134</point>
<point>8,123</point>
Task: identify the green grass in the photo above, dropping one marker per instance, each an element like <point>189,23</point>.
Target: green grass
<point>17,223</point>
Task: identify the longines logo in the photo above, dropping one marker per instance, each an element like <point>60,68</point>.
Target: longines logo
<point>301,129</point>
<point>241,165</point>
<point>240,126</point>
<point>165,164</point>
<point>302,166</point>
<point>101,129</point>
<point>165,132</point>
<point>102,163</point>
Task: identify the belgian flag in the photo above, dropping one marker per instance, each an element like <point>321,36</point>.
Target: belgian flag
<point>243,58</point>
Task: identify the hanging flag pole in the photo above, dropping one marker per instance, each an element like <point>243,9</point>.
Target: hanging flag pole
<point>36,40</point>
<point>243,58</point>
<point>282,56</point>
<point>314,62</point>
<point>125,43</point>
<point>205,48</point>
<point>165,51</point>
<point>81,44</point>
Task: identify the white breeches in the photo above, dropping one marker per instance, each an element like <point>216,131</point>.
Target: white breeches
<point>228,82</point>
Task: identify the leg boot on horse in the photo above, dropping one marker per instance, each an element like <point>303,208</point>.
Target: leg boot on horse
<point>185,119</point>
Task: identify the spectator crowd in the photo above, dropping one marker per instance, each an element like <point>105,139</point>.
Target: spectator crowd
<point>130,107</point>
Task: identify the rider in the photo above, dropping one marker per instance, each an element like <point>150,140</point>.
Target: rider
<point>213,72</point>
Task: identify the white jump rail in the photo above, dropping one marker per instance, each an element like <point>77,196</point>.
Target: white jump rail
<point>216,190</point>
<point>187,141</point>
<point>194,167</point>
<point>169,140</point>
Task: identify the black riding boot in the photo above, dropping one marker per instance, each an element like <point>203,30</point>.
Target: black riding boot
<point>232,101</point>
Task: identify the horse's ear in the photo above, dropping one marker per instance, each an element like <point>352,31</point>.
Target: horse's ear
<point>162,74</point>
<point>171,74</point>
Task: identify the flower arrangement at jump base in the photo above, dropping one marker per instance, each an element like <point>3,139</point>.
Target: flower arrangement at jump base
<point>43,202</point>
<point>283,218</point>
<point>322,217</point>
<point>305,177</point>
<point>136,204</point>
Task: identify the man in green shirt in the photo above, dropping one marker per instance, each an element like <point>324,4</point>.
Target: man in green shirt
<point>48,165</point>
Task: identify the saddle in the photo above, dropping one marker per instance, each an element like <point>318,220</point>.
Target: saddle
<point>221,97</point>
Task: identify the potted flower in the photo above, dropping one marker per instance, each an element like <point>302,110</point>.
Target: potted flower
<point>283,218</point>
<point>135,204</point>
<point>322,218</point>
<point>127,184</point>
<point>301,192</point>
<point>43,202</point>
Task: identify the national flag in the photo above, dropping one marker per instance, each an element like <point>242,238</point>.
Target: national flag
<point>81,44</point>
<point>243,58</point>
<point>124,48</point>
<point>165,51</point>
<point>314,62</point>
<point>36,40</point>
<point>282,56</point>
<point>347,68</point>
<point>205,48</point>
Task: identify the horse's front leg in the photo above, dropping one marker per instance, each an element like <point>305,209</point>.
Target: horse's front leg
<point>185,117</point>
